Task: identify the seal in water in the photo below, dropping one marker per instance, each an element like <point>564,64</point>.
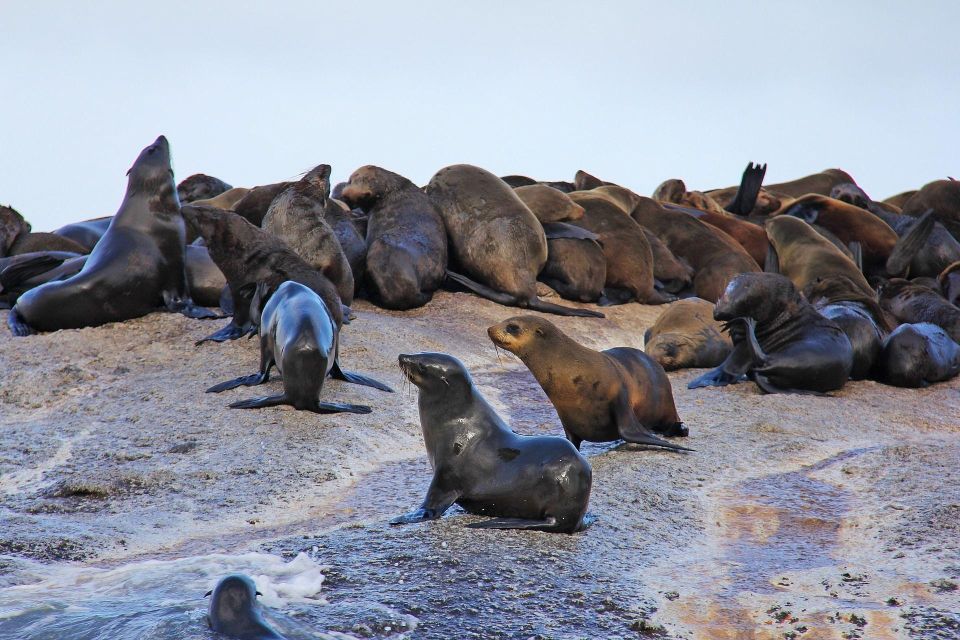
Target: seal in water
<point>299,335</point>
<point>600,396</point>
<point>494,237</point>
<point>406,240</point>
<point>137,264</point>
<point>524,482</point>
<point>916,355</point>
<point>686,336</point>
<point>234,611</point>
<point>779,340</point>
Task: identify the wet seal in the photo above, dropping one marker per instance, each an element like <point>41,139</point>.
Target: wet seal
<point>234,611</point>
<point>524,482</point>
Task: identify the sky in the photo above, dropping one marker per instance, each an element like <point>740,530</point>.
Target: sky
<point>633,92</point>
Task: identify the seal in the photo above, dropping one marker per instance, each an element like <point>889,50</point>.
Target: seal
<point>494,237</point>
<point>912,302</point>
<point>850,224</point>
<point>943,196</point>
<point>817,183</point>
<point>858,315</point>
<point>917,355</point>
<point>524,482</point>
<point>779,339</point>
<point>226,200</point>
<point>630,267</point>
<point>406,253</point>
<point>234,611</point>
<point>583,181</point>
<point>673,274</point>
<point>748,235</point>
<point>246,255</point>
<point>548,204</point>
<point>42,241</point>
<point>600,396</point>
<point>254,205</point>
<point>200,186</point>
<point>297,217</point>
<point>949,282</point>
<point>803,255</point>
<point>12,226</point>
<point>715,257</point>
<point>518,181</point>
<point>204,277</point>
<point>674,191</point>
<point>685,336</point>
<point>620,196</point>
<point>21,273</point>
<point>900,199</point>
<point>137,264</point>
<point>86,233</point>
<point>576,268</point>
<point>298,335</point>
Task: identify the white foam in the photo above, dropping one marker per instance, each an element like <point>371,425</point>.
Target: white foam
<point>31,478</point>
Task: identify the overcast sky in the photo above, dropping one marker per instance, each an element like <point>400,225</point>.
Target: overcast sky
<point>633,92</point>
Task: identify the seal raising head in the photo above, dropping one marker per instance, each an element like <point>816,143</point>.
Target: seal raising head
<point>234,611</point>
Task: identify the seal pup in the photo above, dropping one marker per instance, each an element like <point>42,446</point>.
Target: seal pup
<point>246,255</point>
<point>858,315</point>
<point>600,396</point>
<point>296,216</point>
<point>917,355</point>
<point>524,482</point>
<point>494,237</point>
<point>234,611</point>
<point>299,336</point>
<point>685,336</point>
<point>913,302</point>
<point>406,254</point>
<point>200,186</point>
<point>779,339</point>
<point>137,264</point>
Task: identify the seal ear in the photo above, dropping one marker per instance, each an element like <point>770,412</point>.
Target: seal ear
<point>539,331</point>
<point>258,593</point>
<point>207,594</point>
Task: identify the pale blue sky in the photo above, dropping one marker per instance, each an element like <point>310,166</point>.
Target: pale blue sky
<point>632,92</point>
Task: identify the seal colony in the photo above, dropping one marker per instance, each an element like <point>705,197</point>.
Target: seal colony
<point>798,287</point>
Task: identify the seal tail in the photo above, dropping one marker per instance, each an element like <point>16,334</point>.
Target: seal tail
<point>906,248</point>
<point>510,301</point>
<point>746,197</point>
<point>319,407</point>
<point>339,374</point>
<point>243,381</point>
<point>18,326</point>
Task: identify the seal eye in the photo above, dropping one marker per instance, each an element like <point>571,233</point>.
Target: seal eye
<point>513,329</point>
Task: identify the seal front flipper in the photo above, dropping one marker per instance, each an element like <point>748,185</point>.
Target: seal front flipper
<point>613,296</point>
<point>177,304</point>
<point>746,197</point>
<point>547,524</point>
<point>339,374</point>
<point>772,263</point>
<point>632,431</point>
<point>28,268</point>
<point>907,247</point>
<point>243,381</point>
<point>731,371</point>
<point>555,230</point>
<point>438,500</point>
<point>18,326</point>
<point>753,345</point>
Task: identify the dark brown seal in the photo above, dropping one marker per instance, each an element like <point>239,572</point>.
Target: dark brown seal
<point>297,217</point>
<point>493,237</point>
<point>200,186</point>
<point>779,340</point>
<point>42,241</point>
<point>136,266</point>
<point>912,302</point>
<point>716,258</point>
<point>525,482</point>
<point>917,355</point>
<point>12,226</point>
<point>685,336</point>
<point>406,240</point>
<point>254,204</point>
<point>600,396</point>
<point>943,197</point>
<point>630,267</point>
<point>86,233</point>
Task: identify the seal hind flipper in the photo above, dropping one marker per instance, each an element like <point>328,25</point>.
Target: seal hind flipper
<point>339,374</point>
<point>554,230</point>
<point>633,431</point>
<point>243,381</point>
<point>856,250</point>
<point>261,402</point>
<point>548,307</point>
<point>613,296</point>
<point>15,274</point>
<point>768,387</point>
<point>547,524</point>
<point>907,247</point>
<point>509,301</point>
<point>340,407</point>
<point>230,332</point>
<point>177,304</point>
<point>746,197</point>
<point>18,326</point>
